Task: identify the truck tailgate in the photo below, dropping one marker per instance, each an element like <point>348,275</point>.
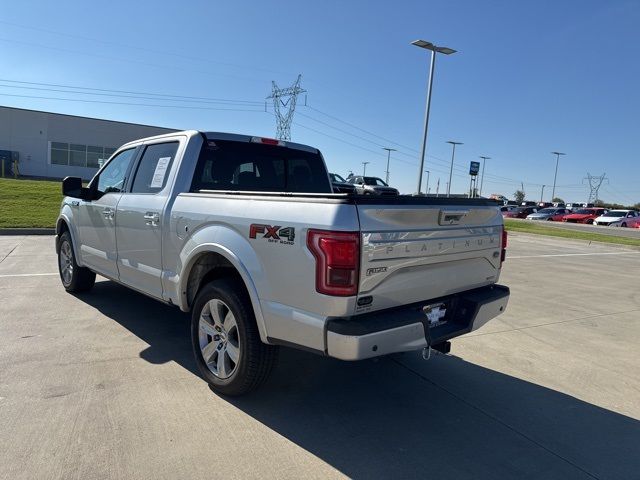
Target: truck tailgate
<point>417,252</point>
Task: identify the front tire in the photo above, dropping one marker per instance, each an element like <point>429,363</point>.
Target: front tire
<point>225,339</point>
<point>624,224</point>
<point>75,279</point>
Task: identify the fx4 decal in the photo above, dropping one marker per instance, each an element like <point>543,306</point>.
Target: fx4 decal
<point>274,234</point>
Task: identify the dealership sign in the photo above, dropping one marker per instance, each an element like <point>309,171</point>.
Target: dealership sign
<point>474,168</point>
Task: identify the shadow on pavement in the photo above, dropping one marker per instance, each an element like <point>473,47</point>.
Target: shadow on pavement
<point>401,417</point>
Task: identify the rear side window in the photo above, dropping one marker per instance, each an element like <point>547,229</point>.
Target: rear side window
<point>153,168</point>
<point>240,166</point>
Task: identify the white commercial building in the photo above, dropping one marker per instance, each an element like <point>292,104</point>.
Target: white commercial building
<point>55,145</point>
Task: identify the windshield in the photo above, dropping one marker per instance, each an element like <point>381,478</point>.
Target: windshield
<point>374,181</point>
<point>584,211</point>
<point>616,213</point>
<point>547,210</point>
<point>337,178</point>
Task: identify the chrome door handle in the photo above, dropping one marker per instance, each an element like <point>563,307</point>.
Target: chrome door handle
<point>108,213</point>
<point>152,218</point>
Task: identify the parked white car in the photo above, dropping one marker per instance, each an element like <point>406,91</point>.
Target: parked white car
<point>618,218</point>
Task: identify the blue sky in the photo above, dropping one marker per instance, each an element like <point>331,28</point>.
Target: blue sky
<point>529,78</point>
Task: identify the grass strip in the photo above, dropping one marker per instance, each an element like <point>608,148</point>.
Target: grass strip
<point>536,229</point>
<point>29,203</point>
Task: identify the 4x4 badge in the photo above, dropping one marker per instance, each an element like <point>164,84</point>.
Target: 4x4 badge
<point>274,233</point>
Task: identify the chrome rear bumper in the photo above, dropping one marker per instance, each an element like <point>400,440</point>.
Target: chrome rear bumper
<point>407,328</point>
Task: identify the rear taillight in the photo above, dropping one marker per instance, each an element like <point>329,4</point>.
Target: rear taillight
<point>503,254</point>
<point>337,257</point>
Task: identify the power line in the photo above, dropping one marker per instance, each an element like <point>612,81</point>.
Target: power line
<point>129,92</point>
<point>140,97</point>
<point>189,107</point>
<point>135,47</point>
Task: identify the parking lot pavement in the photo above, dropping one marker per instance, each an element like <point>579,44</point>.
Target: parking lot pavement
<point>103,385</point>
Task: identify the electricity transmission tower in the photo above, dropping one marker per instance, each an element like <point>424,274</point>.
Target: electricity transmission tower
<point>594,185</point>
<point>284,104</point>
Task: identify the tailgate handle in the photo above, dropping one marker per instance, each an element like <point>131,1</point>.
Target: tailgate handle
<point>452,217</point>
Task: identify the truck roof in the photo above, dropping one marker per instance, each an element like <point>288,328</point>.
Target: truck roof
<point>236,137</point>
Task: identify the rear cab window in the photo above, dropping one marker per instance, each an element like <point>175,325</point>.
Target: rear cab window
<point>243,166</point>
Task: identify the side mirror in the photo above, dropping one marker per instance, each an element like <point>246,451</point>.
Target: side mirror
<point>72,187</point>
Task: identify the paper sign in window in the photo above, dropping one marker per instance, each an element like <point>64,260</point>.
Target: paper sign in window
<point>160,172</point>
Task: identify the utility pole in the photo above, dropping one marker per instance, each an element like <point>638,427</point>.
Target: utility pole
<point>438,187</point>
<point>285,98</point>
<point>453,156</point>
<point>553,192</point>
<point>484,159</point>
<point>434,49</point>
<point>542,194</point>
<point>428,174</point>
<point>364,169</point>
<point>389,150</point>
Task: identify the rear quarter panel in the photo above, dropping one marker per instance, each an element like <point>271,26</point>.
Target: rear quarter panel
<point>281,272</point>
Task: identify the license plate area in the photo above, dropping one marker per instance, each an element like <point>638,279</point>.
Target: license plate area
<point>436,314</point>
<point>447,318</point>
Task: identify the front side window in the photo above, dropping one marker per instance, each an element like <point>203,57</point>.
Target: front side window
<point>112,178</point>
<point>153,169</point>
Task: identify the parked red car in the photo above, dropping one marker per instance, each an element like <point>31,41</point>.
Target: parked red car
<point>584,215</point>
<point>520,212</point>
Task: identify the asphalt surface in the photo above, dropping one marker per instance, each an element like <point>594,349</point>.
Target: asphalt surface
<point>103,385</point>
<point>615,231</point>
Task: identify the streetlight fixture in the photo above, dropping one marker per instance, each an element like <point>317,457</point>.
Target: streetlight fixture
<point>484,159</point>
<point>434,49</point>
<point>364,169</point>
<point>426,188</point>
<point>389,150</point>
<point>553,192</point>
<point>453,156</point>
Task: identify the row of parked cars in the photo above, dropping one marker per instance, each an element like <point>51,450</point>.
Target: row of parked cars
<point>590,215</point>
<point>361,185</point>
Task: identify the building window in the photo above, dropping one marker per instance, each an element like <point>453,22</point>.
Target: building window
<point>78,155</point>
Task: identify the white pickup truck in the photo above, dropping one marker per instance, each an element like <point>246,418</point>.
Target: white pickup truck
<point>246,233</point>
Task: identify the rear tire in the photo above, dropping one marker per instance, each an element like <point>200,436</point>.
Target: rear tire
<point>225,339</point>
<point>75,279</point>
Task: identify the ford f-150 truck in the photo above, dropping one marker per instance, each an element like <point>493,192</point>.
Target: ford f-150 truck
<point>246,233</point>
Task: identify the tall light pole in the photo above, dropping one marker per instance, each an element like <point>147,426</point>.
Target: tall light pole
<point>553,192</point>
<point>484,159</point>
<point>434,49</point>
<point>453,156</point>
<point>364,169</point>
<point>542,194</point>
<point>426,188</point>
<point>389,150</point>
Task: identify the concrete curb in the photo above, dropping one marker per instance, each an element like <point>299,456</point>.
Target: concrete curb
<point>27,231</point>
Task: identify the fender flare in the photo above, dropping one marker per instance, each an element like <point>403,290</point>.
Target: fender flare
<point>63,218</point>
<point>240,267</point>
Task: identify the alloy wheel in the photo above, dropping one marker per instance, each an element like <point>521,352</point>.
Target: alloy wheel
<point>219,338</point>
